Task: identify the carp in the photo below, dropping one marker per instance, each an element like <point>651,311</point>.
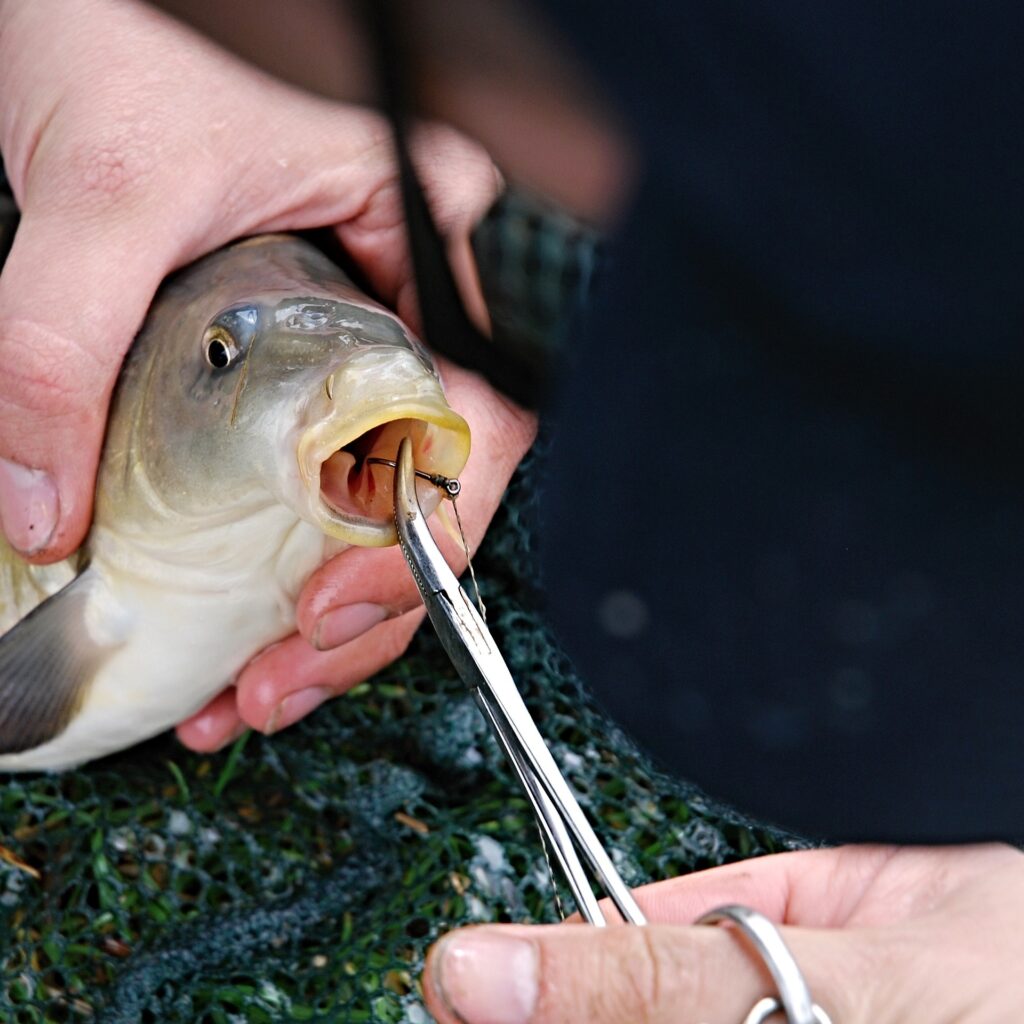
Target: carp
<point>239,456</point>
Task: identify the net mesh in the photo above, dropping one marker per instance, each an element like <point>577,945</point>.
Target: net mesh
<point>303,877</point>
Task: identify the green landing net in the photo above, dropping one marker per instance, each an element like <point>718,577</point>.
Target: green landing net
<point>303,877</point>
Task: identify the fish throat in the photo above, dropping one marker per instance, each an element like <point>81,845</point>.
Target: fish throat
<point>353,484</point>
<point>355,478</point>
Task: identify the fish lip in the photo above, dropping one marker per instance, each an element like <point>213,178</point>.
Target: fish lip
<point>321,442</point>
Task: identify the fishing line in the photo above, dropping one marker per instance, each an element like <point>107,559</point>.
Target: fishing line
<point>551,873</point>
<point>469,561</point>
<point>452,489</point>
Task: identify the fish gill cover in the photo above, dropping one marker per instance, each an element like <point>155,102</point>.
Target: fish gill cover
<point>302,878</point>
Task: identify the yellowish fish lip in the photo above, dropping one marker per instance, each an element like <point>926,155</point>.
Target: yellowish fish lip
<point>441,443</point>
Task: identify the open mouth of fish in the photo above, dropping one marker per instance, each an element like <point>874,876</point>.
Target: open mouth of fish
<point>354,494</point>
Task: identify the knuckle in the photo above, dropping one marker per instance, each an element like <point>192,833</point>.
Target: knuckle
<point>882,979</point>
<point>441,146</point>
<point>630,967</point>
<point>458,175</point>
<point>519,425</point>
<point>511,427</point>
<point>111,168</point>
<point>107,171</point>
<point>380,214</point>
<point>667,976</point>
<point>636,994</point>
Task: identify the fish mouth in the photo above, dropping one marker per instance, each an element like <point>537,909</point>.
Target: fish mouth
<point>351,495</point>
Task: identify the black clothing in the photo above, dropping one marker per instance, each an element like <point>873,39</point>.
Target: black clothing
<point>785,509</point>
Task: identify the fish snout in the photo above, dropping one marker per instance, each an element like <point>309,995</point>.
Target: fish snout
<point>366,405</point>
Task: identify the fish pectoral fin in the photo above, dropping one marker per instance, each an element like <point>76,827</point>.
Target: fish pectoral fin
<point>46,664</point>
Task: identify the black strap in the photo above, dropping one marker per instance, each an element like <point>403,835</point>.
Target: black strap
<point>446,326</point>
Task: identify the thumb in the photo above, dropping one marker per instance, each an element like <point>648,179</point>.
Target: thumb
<point>659,974</point>
<point>70,305</point>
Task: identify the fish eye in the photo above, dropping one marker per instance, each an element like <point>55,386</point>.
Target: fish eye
<point>219,348</point>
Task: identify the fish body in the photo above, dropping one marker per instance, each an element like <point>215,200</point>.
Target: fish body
<point>234,465</point>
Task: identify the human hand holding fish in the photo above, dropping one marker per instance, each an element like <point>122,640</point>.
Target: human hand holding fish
<point>125,133</point>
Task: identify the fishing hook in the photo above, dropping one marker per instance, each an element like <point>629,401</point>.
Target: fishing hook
<point>451,487</point>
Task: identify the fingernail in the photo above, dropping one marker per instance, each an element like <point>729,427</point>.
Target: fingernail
<point>487,978</point>
<point>340,625</point>
<point>209,726</point>
<point>295,706</point>
<point>28,506</point>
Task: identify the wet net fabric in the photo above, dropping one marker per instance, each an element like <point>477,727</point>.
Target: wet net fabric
<point>303,877</point>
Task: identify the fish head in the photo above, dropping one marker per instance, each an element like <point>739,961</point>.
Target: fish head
<point>269,377</point>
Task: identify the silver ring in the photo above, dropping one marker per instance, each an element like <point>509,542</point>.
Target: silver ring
<point>794,995</point>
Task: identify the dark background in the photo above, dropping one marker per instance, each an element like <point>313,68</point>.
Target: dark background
<point>785,510</point>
